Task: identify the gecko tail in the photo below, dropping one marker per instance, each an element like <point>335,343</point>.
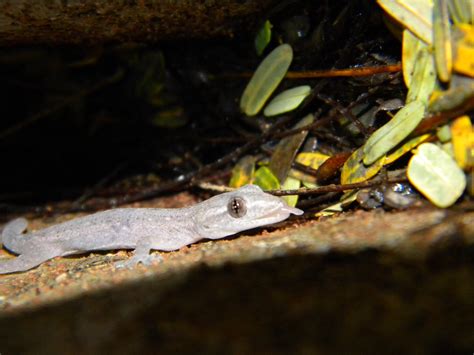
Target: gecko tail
<point>11,235</point>
<point>26,261</point>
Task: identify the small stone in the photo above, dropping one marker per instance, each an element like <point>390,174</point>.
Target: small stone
<point>61,278</point>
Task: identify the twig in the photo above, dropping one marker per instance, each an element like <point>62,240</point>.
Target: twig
<point>189,179</point>
<point>351,72</point>
<point>91,191</point>
<point>305,168</point>
<point>435,120</point>
<point>213,187</point>
<point>335,188</point>
<point>345,112</point>
<point>309,127</point>
<point>331,73</point>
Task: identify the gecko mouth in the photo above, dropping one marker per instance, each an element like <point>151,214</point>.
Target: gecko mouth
<point>292,210</point>
<point>282,210</point>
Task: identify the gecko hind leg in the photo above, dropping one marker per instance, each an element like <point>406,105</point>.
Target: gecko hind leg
<point>26,261</point>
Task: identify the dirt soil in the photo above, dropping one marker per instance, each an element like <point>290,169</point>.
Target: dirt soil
<point>355,282</point>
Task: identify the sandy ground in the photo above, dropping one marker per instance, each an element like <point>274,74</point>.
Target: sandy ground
<point>372,264</point>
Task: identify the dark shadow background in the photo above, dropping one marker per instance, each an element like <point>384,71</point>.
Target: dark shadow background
<point>89,115</point>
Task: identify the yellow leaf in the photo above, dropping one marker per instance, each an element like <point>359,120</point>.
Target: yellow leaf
<point>355,171</point>
<point>243,172</point>
<point>405,148</point>
<point>464,49</point>
<point>463,142</point>
<point>311,159</point>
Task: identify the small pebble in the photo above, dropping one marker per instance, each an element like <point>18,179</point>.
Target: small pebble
<point>61,278</point>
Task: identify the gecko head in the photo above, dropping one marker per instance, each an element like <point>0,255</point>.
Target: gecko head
<point>245,208</point>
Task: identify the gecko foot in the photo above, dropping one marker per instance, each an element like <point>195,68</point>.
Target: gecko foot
<point>134,260</point>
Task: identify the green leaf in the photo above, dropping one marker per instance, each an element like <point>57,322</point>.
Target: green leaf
<point>424,77</point>
<point>287,100</point>
<point>442,40</point>
<point>393,132</point>
<point>405,148</point>
<point>266,179</point>
<point>170,118</point>
<point>263,37</point>
<point>346,200</point>
<point>416,15</point>
<point>436,175</point>
<point>444,133</point>
<point>412,45</point>
<point>461,11</point>
<point>291,184</point>
<point>265,80</point>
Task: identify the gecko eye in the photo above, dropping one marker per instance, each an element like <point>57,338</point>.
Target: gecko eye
<point>236,207</point>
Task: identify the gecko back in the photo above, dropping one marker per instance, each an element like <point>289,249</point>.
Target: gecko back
<point>144,229</point>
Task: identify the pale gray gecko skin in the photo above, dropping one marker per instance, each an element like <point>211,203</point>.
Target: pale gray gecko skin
<point>144,229</point>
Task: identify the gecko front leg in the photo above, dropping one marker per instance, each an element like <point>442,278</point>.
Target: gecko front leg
<point>140,255</point>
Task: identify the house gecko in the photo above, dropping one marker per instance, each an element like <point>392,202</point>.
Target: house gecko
<point>144,229</point>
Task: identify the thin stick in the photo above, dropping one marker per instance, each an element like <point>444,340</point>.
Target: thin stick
<point>332,73</point>
<point>335,188</point>
<point>351,72</point>
<point>345,112</point>
<point>213,187</point>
